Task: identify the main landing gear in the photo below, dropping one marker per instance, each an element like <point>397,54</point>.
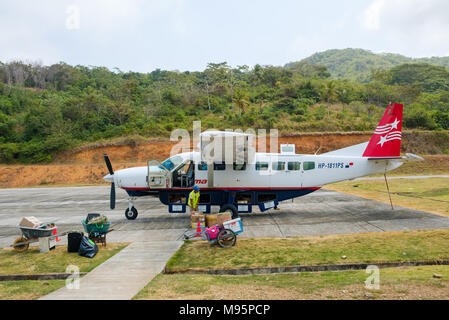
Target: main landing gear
<point>131,212</point>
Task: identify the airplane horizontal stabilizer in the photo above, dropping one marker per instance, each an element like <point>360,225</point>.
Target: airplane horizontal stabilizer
<point>387,158</point>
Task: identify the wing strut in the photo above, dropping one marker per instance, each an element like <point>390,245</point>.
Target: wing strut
<point>388,189</point>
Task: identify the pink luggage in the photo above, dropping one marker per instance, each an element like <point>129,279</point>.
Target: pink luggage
<point>212,232</point>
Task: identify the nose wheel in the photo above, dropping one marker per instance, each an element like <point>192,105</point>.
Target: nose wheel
<point>131,214</point>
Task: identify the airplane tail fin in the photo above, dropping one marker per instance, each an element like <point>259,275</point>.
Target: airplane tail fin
<point>386,140</point>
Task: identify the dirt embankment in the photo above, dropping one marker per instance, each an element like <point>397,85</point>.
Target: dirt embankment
<point>86,165</point>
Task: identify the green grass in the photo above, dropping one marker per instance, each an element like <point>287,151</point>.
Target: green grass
<point>431,195</point>
<point>34,262</point>
<point>395,283</point>
<point>28,290</point>
<point>55,261</point>
<point>363,248</point>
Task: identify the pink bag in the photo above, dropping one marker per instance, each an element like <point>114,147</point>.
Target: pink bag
<point>212,232</point>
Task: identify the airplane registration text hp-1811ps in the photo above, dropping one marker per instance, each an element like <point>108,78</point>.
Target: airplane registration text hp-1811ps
<point>237,179</point>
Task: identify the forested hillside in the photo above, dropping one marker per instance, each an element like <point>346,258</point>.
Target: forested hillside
<point>357,64</point>
<point>48,109</point>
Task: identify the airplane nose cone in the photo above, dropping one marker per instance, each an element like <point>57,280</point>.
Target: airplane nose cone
<point>109,178</point>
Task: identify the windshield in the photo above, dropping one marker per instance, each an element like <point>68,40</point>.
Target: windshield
<point>171,163</point>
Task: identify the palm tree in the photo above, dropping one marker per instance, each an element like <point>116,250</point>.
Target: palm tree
<point>241,100</point>
<point>330,94</point>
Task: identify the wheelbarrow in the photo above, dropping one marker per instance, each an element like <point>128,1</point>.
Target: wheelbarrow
<point>31,235</point>
<point>97,232</point>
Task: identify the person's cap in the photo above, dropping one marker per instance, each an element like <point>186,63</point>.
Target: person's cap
<point>196,188</point>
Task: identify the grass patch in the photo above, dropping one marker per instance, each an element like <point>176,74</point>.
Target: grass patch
<point>55,261</point>
<point>28,290</point>
<point>358,248</point>
<point>430,195</point>
<point>395,283</point>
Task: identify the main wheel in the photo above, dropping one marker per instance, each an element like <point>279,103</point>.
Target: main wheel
<point>23,247</point>
<point>131,214</point>
<point>226,238</point>
<point>230,208</point>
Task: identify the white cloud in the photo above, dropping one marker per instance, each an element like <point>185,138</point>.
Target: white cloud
<point>415,27</point>
<point>371,16</point>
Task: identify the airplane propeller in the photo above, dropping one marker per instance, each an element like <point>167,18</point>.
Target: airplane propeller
<point>111,174</point>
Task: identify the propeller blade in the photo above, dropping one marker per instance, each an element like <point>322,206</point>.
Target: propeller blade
<point>108,163</point>
<point>112,196</point>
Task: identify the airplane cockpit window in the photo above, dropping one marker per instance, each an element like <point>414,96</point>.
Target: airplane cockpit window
<point>172,162</point>
<point>202,166</point>
<point>309,166</point>
<point>239,167</point>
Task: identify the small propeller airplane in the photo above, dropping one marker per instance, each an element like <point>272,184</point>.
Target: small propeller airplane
<point>263,179</point>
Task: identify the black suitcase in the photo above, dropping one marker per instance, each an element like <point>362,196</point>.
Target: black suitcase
<point>73,241</point>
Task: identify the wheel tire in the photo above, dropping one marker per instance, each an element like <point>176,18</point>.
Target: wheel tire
<point>21,248</point>
<point>230,208</point>
<point>131,214</point>
<point>226,238</point>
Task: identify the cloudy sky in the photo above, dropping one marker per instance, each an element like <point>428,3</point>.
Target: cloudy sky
<point>142,35</point>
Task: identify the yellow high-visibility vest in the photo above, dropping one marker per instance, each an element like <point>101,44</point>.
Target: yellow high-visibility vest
<point>193,199</point>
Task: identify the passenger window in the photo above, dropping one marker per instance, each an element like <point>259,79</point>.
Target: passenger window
<point>278,166</point>
<point>309,165</point>
<point>239,167</point>
<point>261,166</point>
<point>294,166</point>
<point>202,166</point>
<point>219,166</point>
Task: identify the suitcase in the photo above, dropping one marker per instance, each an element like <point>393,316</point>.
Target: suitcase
<point>73,241</point>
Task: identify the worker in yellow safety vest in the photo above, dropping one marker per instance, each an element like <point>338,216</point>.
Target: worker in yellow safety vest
<point>194,197</point>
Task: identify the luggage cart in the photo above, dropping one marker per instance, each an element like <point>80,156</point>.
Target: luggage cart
<point>226,237</point>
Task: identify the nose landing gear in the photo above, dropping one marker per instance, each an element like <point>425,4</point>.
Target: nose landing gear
<point>131,212</point>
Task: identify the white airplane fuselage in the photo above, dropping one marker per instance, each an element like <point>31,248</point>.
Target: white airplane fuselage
<point>262,179</point>
<point>328,169</point>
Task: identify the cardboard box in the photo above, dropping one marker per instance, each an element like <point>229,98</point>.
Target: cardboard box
<point>201,225</point>
<point>223,217</point>
<point>196,218</point>
<point>30,222</point>
<point>234,225</point>
<point>211,219</point>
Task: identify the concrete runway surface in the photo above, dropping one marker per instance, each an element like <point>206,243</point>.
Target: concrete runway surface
<point>320,213</point>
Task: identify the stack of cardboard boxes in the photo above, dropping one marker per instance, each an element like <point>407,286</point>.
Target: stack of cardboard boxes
<point>208,220</point>
<point>197,219</point>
